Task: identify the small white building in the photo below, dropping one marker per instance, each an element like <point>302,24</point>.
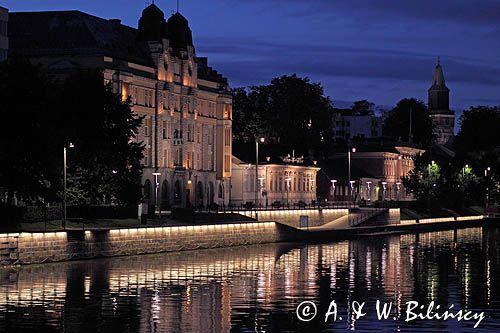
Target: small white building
<point>291,181</point>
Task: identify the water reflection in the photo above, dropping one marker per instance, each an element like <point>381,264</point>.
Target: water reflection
<point>257,288</point>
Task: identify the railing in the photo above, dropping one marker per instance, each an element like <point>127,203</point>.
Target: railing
<point>279,207</point>
<point>355,221</point>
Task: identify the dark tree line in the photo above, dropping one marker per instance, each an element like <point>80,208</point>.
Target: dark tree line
<point>41,115</point>
<point>291,113</point>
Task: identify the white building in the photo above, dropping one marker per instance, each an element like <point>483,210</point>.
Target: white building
<point>276,183</point>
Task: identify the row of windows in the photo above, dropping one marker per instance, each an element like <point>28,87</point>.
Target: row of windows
<point>3,28</point>
<point>194,133</point>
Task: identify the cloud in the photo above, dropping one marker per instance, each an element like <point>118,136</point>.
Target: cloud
<point>460,11</point>
<point>248,59</point>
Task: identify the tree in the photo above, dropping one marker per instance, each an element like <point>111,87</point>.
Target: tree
<point>41,116</point>
<point>397,122</point>
<point>105,164</point>
<point>363,107</point>
<point>30,146</point>
<point>425,181</point>
<point>291,112</point>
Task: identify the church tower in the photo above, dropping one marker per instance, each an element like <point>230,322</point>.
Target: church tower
<point>443,118</point>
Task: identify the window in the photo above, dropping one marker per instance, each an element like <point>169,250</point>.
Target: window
<point>190,160</point>
<point>147,127</point>
<point>147,153</point>
<point>165,158</point>
<point>178,157</point>
<point>164,129</point>
<point>227,163</point>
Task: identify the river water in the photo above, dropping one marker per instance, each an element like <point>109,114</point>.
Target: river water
<point>257,288</point>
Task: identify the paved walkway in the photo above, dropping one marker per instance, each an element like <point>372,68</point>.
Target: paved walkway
<point>341,222</point>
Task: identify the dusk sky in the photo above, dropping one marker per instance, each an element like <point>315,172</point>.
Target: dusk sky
<point>380,50</point>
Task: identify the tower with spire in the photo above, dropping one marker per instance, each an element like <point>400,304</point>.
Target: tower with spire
<point>442,117</point>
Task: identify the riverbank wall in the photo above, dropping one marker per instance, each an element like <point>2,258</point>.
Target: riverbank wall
<point>40,247</point>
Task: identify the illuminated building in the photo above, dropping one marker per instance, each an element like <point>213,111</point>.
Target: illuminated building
<point>187,105</point>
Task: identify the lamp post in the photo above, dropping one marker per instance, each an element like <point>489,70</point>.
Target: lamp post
<point>369,190</point>
<point>257,169</point>
<point>157,186</point>
<point>398,188</point>
<point>349,149</point>
<point>384,187</point>
<point>65,183</point>
<point>333,181</point>
<point>486,171</point>
<point>288,180</point>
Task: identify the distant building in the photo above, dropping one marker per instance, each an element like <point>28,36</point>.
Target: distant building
<point>348,125</point>
<point>4,39</point>
<point>287,181</point>
<point>187,105</point>
<point>443,118</point>
<point>376,174</point>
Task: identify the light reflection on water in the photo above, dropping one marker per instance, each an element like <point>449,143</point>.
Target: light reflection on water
<point>257,288</point>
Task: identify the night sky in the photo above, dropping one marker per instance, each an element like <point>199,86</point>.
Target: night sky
<point>380,50</point>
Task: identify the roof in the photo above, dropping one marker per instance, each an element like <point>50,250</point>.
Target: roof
<point>438,81</point>
<point>73,32</point>
<point>274,161</point>
<point>338,169</point>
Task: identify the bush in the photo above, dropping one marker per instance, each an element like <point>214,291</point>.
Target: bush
<point>101,212</point>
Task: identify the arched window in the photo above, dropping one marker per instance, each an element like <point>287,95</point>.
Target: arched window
<point>165,194</point>
<point>221,191</point>
<point>211,193</point>
<point>199,193</point>
<point>177,193</point>
<point>147,190</point>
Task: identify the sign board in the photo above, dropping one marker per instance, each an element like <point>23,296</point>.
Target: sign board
<point>304,221</point>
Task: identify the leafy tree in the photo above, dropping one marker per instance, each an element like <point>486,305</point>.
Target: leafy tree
<point>425,181</point>
<point>41,116</point>
<point>291,112</point>
<point>105,163</point>
<point>397,122</point>
<point>363,107</point>
<point>30,148</point>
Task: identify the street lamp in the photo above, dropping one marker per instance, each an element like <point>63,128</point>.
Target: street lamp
<point>486,171</point>
<point>333,181</point>
<point>257,169</point>
<point>398,188</point>
<point>369,190</point>
<point>384,187</point>
<point>157,185</point>
<point>288,180</point>
<point>349,149</point>
<point>65,183</point>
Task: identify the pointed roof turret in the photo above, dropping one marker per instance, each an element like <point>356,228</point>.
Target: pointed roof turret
<point>179,32</point>
<point>152,24</point>
<point>438,79</point>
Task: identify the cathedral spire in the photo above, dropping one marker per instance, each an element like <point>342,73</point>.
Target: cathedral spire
<point>438,79</point>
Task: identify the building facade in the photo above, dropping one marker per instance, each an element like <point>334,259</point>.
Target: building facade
<point>187,106</point>
<point>276,184</point>
<point>4,38</point>
<point>349,125</point>
<point>375,175</point>
<point>442,117</point>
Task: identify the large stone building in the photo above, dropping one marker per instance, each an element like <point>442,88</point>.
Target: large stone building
<point>285,182</point>
<point>4,39</point>
<point>187,105</point>
<point>439,107</point>
<point>376,174</point>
